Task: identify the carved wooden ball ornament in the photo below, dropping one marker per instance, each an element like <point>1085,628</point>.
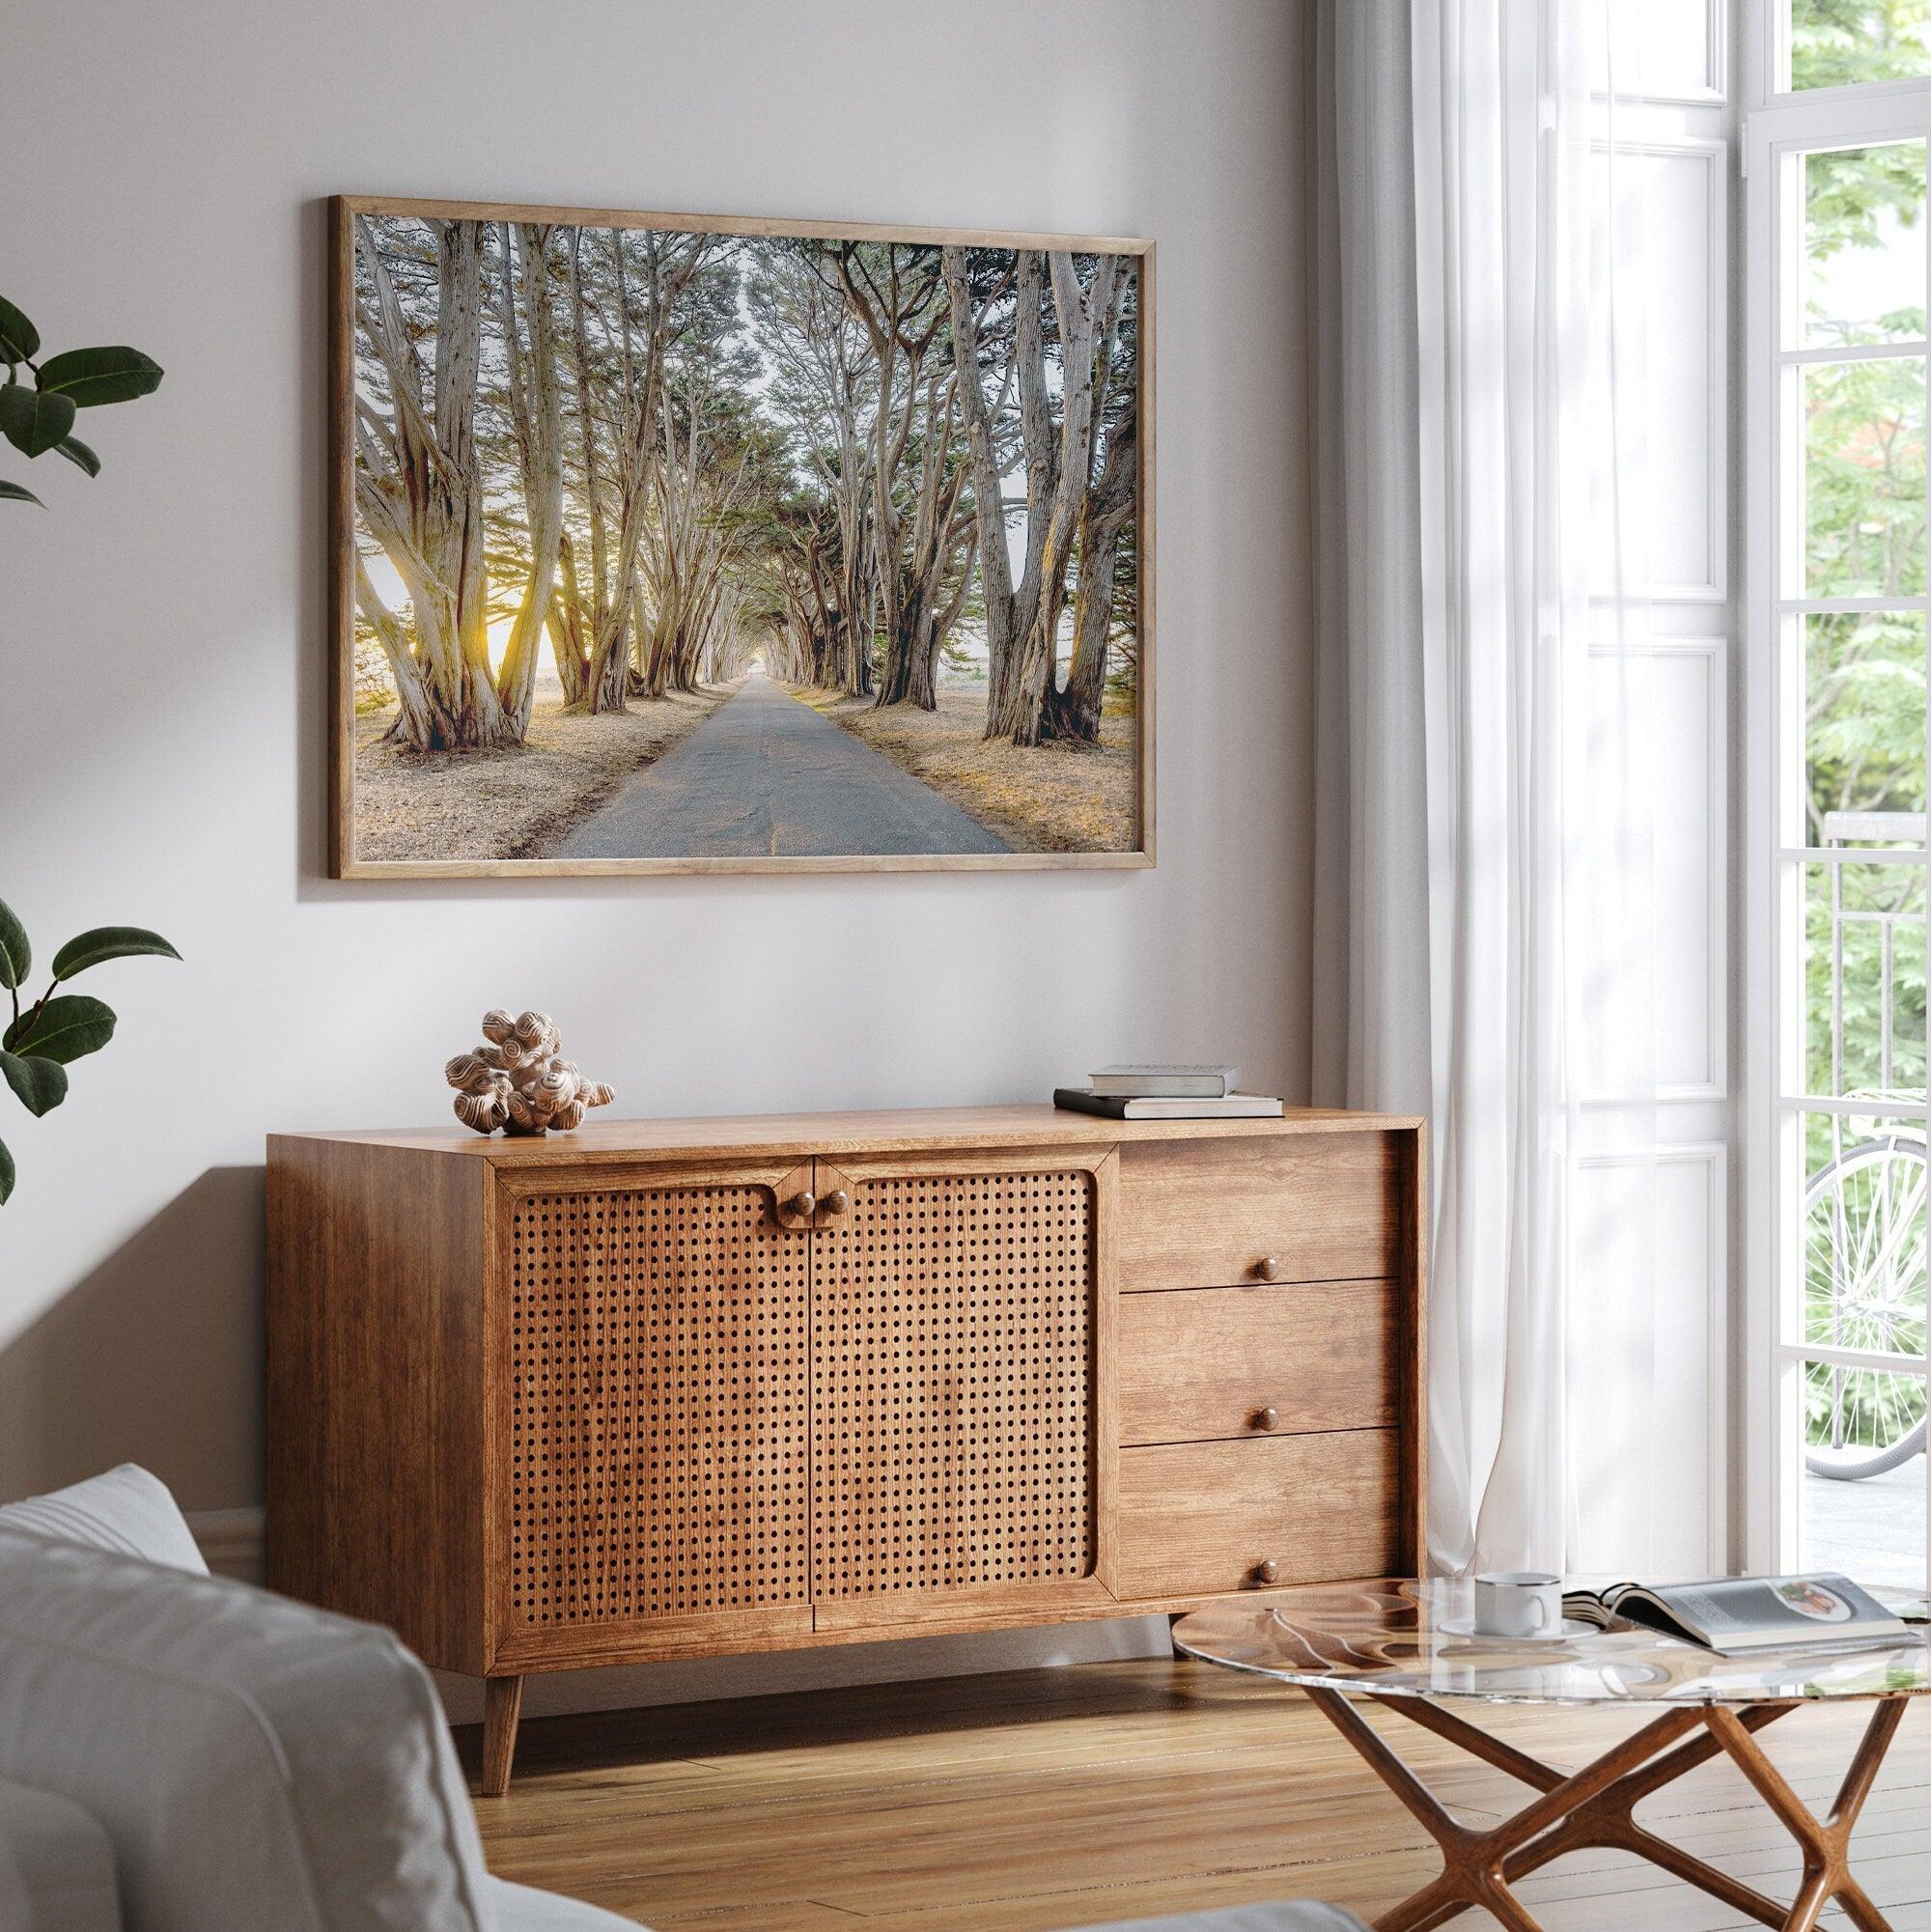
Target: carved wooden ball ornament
<point>519,1079</point>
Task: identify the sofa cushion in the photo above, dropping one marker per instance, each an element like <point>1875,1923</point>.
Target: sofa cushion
<point>258,1764</point>
<point>56,1865</point>
<point>125,1509</point>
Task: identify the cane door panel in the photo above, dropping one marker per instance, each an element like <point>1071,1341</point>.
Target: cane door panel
<point>657,1426</point>
<point>957,1354</point>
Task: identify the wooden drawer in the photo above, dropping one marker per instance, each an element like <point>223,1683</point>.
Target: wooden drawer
<point>1197,1518</point>
<point>1202,1362</point>
<point>1309,1207</point>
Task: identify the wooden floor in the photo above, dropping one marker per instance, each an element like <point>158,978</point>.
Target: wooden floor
<point>1066,1798</point>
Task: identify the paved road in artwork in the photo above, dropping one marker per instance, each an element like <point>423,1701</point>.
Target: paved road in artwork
<point>767,775</point>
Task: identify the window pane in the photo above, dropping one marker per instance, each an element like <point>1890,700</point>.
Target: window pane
<point>1863,246</point>
<point>1863,979</point>
<point>1864,1507</point>
<point>1863,729</point>
<point>1864,478</point>
<point>1864,1259</point>
<point>1841,43</point>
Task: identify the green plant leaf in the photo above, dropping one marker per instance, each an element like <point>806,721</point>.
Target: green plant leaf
<point>34,420</point>
<point>108,942</point>
<point>6,1174</point>
<point>38,1083</point>
<point>92,376</point>
<point>77,452</point>
<point>13,493</point>
<point>63,1029</point>
<point>17,957</point>
<point>19,342</point>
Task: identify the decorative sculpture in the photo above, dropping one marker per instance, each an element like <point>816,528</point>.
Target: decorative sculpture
<point>519,1079</point>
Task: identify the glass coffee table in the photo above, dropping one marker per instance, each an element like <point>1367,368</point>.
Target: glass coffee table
<point>1408,1646</point>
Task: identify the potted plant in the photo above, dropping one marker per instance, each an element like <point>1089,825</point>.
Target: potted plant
<point>46,1036</point>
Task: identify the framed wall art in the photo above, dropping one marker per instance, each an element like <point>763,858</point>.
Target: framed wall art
<point>668,543</point>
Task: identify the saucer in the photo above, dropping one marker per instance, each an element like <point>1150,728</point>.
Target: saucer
<point>1465,1626</point>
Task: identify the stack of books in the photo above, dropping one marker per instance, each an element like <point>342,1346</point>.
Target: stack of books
<point>1166,1093</point>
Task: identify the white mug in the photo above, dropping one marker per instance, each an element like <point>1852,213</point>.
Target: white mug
<point>1518,1603</point>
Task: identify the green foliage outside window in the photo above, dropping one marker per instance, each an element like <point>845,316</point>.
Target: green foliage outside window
<point>1863,482</point>
<point>1849,43</point>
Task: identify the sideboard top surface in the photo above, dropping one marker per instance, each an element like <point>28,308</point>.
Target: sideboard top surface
<point>897,1131</point>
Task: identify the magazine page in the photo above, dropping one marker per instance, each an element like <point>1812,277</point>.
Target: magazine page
<point>1786,1609</point>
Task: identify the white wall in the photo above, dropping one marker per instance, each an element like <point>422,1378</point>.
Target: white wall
<point>163,711</point>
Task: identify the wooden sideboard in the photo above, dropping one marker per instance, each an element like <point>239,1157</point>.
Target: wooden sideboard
<point>680,1387</point>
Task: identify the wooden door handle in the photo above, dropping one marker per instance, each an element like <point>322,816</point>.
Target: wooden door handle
<point>1267,1268</point>
<point>835,1202</point>
<point>1267,1571</point>
<point>803,1205</point>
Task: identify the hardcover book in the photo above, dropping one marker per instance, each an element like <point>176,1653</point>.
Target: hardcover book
<point>1167,1107</point>
<point>1130,1082</point>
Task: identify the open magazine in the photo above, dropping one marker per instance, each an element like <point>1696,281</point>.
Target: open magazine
<point>1736,1616</point>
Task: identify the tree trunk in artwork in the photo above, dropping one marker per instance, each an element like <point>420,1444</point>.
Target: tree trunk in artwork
<point>996,569</point>
<point>537,413</point>
<point>564,621</point>
<point>1025,709</point>
<point>897,296</point>
<point>419,489</point>
<point>588,604</point>
<point>666,266</point>
<point>414,723</point>
<point>938,528</point>
<point>1081,704</point>
<point>1111,497</point>
<point>1020,636</point>
<point>1109,508</point>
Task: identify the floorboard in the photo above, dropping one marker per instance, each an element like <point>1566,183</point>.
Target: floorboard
<point>1052,1799</point>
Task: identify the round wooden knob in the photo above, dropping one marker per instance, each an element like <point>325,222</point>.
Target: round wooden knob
<point>1268,1418</point>
<point>836,1201</point>
<point>1267,1268</point>
<point>803,1205</point>
<point>1267,1571</point>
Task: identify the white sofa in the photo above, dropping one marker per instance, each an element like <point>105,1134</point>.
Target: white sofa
<point>179,1752</point>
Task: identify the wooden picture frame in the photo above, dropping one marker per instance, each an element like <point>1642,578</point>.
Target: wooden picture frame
<point>503,252</point>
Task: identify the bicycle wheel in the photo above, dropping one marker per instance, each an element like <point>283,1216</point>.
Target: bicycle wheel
<point>1864,1288</point>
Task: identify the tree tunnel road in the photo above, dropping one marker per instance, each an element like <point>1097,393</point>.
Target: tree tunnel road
<point>765,775</point>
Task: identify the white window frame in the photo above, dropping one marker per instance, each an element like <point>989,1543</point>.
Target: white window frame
<point>1777,124</point>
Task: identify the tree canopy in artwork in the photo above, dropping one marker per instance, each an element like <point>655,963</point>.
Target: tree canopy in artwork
<point>650,457</point>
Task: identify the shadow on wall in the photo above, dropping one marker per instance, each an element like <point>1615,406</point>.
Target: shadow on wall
<point>156,1357</point>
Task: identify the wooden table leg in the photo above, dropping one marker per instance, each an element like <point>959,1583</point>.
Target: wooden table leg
<point>502,1707</point>
<point>1475,1864</point>
<point>1610,1821</point>
<point>1826,1843</point>
<point>1595,1808</point>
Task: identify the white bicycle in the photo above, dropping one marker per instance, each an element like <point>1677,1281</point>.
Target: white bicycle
<point>1864,1288</point>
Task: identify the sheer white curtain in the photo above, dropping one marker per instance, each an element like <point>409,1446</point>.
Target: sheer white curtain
<point>1482,859</point>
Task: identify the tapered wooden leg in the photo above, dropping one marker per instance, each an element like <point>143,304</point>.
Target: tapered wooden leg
<point>502,1707</point>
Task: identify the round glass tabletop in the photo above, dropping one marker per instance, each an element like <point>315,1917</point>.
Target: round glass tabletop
<point>1400,1637</point>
